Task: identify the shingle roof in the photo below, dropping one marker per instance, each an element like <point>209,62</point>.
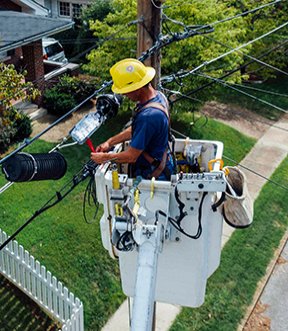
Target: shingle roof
<point>18,29</point>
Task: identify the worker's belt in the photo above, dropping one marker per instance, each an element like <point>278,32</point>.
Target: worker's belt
<point>160,165</point>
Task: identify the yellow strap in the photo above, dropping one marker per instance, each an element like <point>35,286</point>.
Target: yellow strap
<point>152,187</point>
<point>211,162</point>
<point>136,201</point>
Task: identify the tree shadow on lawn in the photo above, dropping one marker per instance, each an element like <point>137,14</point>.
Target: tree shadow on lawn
<point>19,312</point>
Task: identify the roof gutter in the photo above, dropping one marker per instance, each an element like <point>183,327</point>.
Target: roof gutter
<point>29,40</point>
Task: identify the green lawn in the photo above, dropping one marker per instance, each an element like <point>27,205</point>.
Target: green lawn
<point>243,262</point>
<point>70,248</point>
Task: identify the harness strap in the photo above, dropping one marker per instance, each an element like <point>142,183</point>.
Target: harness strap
<point>159,164</point>
<point>161,167</point>
<point>159,106</point>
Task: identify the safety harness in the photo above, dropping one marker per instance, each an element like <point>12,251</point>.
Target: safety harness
<point>159,164</point>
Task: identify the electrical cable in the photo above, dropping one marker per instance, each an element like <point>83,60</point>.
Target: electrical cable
<point>262,67</point>
<point>30,141</point>
<point>173,92</point>
<point>154,4</point>
<point>90,199</point>
<point>161,43</point>
<point>69,187</point>
<point>166,40</point>
<point>99,43</point>
<point>245,13</point>
<point>257,173</point>
<point>242,92</point>
<point>259,90</point>
<point>184,74</point>
<point>125,242</point>
<point>176,223</point>
<point>248,56</point>
<point>243,66</point>
<point>228,18</point>
<point>167,18</point>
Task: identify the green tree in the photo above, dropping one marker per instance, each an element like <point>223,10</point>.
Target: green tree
<point>97,10</point>
<point>13,87</point>
<point>262,22</point>
<point>14,126</point>
<point>120,34</point>
<point>119,38</point>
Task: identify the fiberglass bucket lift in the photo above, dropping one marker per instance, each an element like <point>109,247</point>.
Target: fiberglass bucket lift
<point>165,233</point>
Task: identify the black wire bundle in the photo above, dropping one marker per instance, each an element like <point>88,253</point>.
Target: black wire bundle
<point>177,222</point>
<point>90,199</point>
<point>126,242</point>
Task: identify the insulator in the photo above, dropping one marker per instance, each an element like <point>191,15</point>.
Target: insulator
<point>23,167</point>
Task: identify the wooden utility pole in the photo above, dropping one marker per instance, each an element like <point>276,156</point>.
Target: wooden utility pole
<point>149,28</point>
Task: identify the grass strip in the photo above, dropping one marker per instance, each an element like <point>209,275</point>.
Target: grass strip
<point>244,261</point>
<point>72,249</point>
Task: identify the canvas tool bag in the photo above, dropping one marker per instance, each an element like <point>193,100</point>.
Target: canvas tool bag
<point>238,205</point>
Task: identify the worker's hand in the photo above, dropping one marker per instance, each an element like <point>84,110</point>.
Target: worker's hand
<point>99,157</point>
<point>104,147</point>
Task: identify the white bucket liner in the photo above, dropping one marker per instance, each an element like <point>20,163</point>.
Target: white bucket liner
<point>238,206</point>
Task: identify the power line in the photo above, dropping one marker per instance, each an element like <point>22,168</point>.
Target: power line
<point>30,141</point>
<point>245,13</point>
<point>228,18</point>
<point>161,43</point>
<point>234,50</point>
<point>105,39</point>
<point>203,102</point>
<point>256,173</point>
<point>240,91</point>
<point>173,92</point>
<point>249,56</point>
<point>243,66</point>
<point>154,4</point>
<point>260,90</point>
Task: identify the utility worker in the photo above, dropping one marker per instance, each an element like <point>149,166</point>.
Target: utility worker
<point>150,128</point>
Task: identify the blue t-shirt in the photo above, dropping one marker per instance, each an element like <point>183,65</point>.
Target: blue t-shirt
<point>150,128</point>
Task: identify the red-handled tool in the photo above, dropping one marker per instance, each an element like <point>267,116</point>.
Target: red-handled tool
<point>90,144</point>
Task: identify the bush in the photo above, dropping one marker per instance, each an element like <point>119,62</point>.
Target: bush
<point>23,127</point>
<point>14,127</point>
<point>6,134</point>
<point>58,103</point>
<point>65,95</point>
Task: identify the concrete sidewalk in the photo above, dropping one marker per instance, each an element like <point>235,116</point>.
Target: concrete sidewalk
<point>270,150</point>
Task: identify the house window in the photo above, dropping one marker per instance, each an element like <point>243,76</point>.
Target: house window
<point>64,8</point>
<point>76,9</point>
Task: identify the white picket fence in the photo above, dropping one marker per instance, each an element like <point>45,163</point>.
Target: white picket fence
<point>21,268</point>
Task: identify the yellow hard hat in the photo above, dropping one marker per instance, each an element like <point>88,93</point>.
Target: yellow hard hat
<point>129,75</point>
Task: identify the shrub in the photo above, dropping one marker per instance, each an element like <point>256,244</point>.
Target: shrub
<point>58,103</point>
<point>65,95</point>
<point>6,134</point>
<point>14,127</point>
<point>23,127</point>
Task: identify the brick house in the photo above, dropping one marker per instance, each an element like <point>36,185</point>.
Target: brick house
<point>23,24</point>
